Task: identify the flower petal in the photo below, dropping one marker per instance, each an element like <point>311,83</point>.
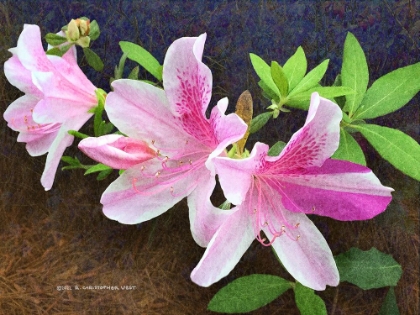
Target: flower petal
<point>315,142</point>
<point>141,193</point>
<point>339,189</point>
<point>236,175</point>
<point>205,218</point>
<point>61,142</point>
<point>308,259</point>
<point>116,151</point>
<point>133,104</point>
<point>188,83</point>
<point>225,249</point>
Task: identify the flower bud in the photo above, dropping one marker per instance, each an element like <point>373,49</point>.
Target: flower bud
<point>72,33</point>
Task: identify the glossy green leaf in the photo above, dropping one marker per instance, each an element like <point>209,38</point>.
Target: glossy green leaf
<point>311,79</point>
<point>259,121</point>
<point>276,149</point>
<point>398,148</point>
<point>263,71</point>
<point>295,68</point>
<point>390,92</point>
<point>248,293</point>
<point>301,100</point>
<point>94,30</point>
<point>97,168</point>
<point>354,73</point>
<point>279,78</point>
<point>143,58</point>
<point>368,269</point>
<point>54,39</point>
<point>93,59</point>
<point>349,149</point>
<point>389,306</point>
<point>308,302</point>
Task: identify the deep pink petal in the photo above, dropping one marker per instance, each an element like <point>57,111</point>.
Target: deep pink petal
<point>141,111</point>
<point>188,83</point>
<point>315,142</point>
<point>235,176</point>
<point>117,151</point>
<point>205,218</point>
<point>307,258</point>
<point>61,142</point>
<point>339,189</point>
<point>225,249</point>
<point>141,194</point>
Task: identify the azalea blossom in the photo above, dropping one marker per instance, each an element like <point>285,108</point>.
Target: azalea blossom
<point>184,141</point>
<point>274,194</point>
<point>57,98</point>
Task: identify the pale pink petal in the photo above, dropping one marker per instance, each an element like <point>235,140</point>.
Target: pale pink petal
<point>235,176</point>
<point>140,111</point>
<point>141,193</point>
<point>315,142</point>
<point>30,51</point>
<point>226,128</point>
<point>205,218</point>
<point>339,189</point>
<point>188,83</point>
<point>61,142</point>
<point>20,77</point>
<point>225,249</point>
<point>307,257</point>
<point>117,151</point>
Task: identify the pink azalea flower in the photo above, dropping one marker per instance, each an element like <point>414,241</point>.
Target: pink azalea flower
<point>273,194</point>
<point>57,98</point>
<point>184,141</point>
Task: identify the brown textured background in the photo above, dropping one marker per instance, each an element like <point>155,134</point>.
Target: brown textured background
<point>60,237</point>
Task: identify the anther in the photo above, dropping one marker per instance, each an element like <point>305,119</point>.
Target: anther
<point>157,174</point>
<point>297,225</point>
<point>189,161</point>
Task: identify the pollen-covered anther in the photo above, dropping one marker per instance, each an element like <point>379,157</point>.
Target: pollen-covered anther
<point>153,142</point>
<point>157,174</point>
<point>189,161</point>
<point>298,237</point>
<point>297,225</point>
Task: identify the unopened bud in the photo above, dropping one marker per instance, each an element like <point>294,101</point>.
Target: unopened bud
<point>84,27</point>
<point>72,32</point>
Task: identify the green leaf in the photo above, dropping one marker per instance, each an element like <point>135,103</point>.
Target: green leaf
<point>311,79</point>
<point>248,293</point>
<point>267,92</point>
<point>59,51</point>
<point>104,174</point>
<point>77,134</point>
<point>259,121</point>
<point>54,39</point>
<point>354,73</point>
<point>295,68</point>
<point>390,92</point>
<point>97,168</point>
<point>93,59</point>
<point>94,30</point>
<point>308,302</point>
<point>276,149</point>
<point>349,149</point>
<point>143,58</point>
<point>263,71</point>
<point>279,78</point>
<point>389,306</point>
<point>71,160</point>
<point>301,100</point>
<point>368,269</point>
<point>134,74</point>
<point>398,148</point>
